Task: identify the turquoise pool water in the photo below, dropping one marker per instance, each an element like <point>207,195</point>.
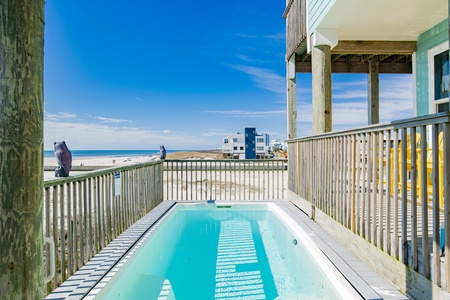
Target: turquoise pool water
<point>233,251</point>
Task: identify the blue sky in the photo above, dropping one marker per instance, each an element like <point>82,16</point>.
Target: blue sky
<point>139,74</point>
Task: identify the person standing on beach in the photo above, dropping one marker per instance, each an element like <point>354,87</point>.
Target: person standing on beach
<point>162,151</point>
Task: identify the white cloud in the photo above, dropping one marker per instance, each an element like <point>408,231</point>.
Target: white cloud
<point>89,135</point>
<point>110,120</point>
<point>60,116</point>
<point>277,36</point>
<point>264,78</point>
<point>244,113</point>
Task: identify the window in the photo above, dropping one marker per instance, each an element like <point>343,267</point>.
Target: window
<point>438,67</point>
<point>225,141</point>
<point>260,148</point>
<point>235,148</point>
<point>235,140</point>
<point>441,76</point>
<point>260,140</point>
<point>241,148</point>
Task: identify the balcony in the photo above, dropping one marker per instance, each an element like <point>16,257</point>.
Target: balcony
<point>84,213</point>
<point>382,190</point>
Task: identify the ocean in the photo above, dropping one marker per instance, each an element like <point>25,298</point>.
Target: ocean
<point>109,153</point>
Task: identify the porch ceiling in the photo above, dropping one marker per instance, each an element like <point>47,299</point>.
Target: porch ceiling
<point>399,20</point>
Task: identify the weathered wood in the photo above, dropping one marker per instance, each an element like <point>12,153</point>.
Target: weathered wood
<point>380,177</point>
<point>353,170</point>
<point>424,200</point>
<point>21,149</point>
<point>375,47</point>
<point>415,220</point>
<point>387,240</point>
<point>291,98</point>
<point>373,91</point>
<point>395,198</point>
<point>321,89</point>
<point>404,213</point>
<point>295,15</point>
<point>414,246</point>
<point>84,214</point>
<point>436,226</point>
<point>357,64</point>
<point>446,157</point>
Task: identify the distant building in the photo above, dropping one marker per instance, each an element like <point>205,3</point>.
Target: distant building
<point>247,145</point>
<point>275,145</point>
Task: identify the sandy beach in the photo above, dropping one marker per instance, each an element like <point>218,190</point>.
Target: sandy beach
<point>108,161</point>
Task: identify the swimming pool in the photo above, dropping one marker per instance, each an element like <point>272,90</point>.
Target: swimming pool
<point>226,251</point>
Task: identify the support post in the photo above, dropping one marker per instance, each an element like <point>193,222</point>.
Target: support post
<point>373,92</point>
<point>321,89</point>
<point>291,98</point>
<point>21,149</point>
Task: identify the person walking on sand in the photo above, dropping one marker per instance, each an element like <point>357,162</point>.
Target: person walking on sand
<point>162,151</point>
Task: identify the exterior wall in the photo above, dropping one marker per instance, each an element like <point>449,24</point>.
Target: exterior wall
<point>317,9</point>
<point>426,41</point>
<point>250,143</point>
<point>235,145</point>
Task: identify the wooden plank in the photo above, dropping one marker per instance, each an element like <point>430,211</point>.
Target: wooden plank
<point>375,47</point>
<point>380,177</point>
<point>363,186</point>
<point>424,200</point>
<point>404,213</point>
<point>436,204</point>
<point>321,89</point>
<point>373,92</point>
<point>359,67</point>
<point>414,246</point>
<point>446,143</point>
<point>353,224</point>
<point>395,193</point>
<point>374,193</point>
<point>295,26</point>
<point>387,156</point>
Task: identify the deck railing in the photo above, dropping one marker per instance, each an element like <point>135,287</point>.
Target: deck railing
<point>225,179</point>
<point>388,184</point>
<point>83,213</point>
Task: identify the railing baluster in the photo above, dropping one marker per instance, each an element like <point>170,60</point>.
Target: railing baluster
<point>436,205</point>
<point>387,158</point>
<point>424,199</point>
<point>395,193</point>
<point>446,157</point>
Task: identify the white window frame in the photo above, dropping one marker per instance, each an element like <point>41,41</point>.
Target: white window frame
<point>431,54</point>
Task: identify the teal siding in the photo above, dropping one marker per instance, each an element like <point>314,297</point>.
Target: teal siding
<point>317,9</point>
<point>427,40</point>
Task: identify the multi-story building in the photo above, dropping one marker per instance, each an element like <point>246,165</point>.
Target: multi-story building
<point>246,145</point>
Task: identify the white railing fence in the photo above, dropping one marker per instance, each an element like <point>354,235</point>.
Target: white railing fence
<point>387,183</point>
<point>84,213</point>
<point>234,179</point>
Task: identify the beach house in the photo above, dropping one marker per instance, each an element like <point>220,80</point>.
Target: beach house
<point>246,145</point>
<point>388,184</point>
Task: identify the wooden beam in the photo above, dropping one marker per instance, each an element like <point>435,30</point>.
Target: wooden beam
<point>374,47</point>
<point>373,92</point>
<point>21,149</point>
<point>321,89</point>
<point>291,98</point>
<point>361,68</point>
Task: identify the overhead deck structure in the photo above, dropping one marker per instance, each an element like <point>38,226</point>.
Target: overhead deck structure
<point>353,36</point>
<point>370,193</point>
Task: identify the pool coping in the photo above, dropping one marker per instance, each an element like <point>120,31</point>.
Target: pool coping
<point>367,282</point>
